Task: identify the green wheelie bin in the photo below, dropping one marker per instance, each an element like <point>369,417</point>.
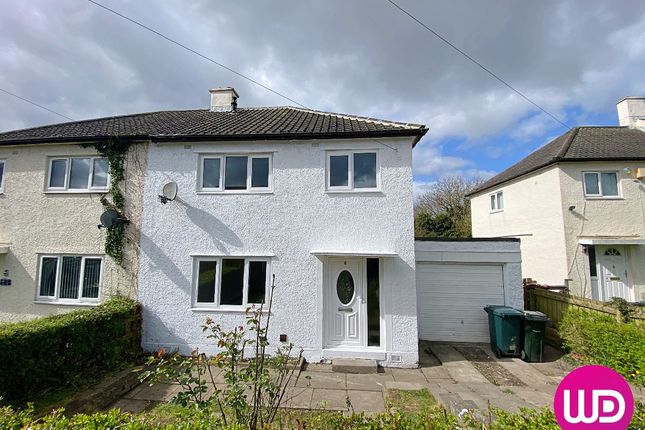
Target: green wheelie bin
<point>505,328</point>
<point>533,334</point>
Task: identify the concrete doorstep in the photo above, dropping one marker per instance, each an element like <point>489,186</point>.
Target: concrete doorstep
<point>353,365</point>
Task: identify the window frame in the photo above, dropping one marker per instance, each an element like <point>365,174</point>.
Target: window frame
<point>215,305</point>
<point>600,194</point>
<point>2,174</point>
<point>350,171</point>
<point>495,197</point>
<point>221,189</point>
<point>79,300</point>
<point>68,167</point>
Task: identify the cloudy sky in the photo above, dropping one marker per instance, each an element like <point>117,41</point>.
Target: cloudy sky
<point>574,58</point>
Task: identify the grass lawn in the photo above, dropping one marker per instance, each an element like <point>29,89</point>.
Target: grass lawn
<point>411,401</point>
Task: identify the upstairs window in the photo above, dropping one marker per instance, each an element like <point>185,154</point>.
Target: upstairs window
<point>78,174</point>
<point>69,278</point>
<point>230,282</point>
<point>1,176</point>
<point>497,201</point>
<point>352,171</point>
<point>600,184</point>
<point>235,173</point>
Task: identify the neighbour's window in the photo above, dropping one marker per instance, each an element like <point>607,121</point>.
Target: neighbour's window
<point>600,184</point>
<point>64,278</point>
<point>78,174</point>
<point>353,170</point>
<point>497,201</point>
<point>1,176</point>
<point>226,282</point>
<point>235,173</point>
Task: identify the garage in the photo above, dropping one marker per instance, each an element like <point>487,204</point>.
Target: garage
<point>457,278</point>
<point>452,296</point>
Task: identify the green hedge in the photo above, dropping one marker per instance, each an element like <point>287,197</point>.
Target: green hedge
<point>595,338</point>
<point>64,350</point>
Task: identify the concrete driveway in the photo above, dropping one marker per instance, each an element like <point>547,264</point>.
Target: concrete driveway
<point>459,376</point>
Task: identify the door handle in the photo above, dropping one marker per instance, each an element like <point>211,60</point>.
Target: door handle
<point>343,309</point>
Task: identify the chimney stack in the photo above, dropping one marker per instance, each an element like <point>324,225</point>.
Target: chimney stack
<point>223,99</point>
<point>631,112</point>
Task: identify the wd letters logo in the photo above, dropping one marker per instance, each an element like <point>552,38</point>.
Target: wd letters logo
<point>593,397</point>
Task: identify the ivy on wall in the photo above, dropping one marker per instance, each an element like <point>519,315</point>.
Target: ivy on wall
<point>116,151</point>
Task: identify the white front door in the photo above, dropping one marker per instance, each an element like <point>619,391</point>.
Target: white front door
<point>613,272</point>
<point>344,302</point>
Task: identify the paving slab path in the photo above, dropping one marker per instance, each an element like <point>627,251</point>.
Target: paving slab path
<point>446,373</point>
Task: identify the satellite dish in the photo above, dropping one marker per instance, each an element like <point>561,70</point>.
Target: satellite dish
<point>110,219</point>
<point>168,193</point>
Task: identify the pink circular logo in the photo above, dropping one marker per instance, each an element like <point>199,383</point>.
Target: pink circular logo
<point>593,397</point>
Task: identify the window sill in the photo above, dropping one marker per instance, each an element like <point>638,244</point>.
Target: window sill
<point>238,310</point>
<point>497,211</point>
<point>240,192</point>
<point>59,303</point>
<point>354,191</point>
<point>604,198</point>
<point>76,191</point>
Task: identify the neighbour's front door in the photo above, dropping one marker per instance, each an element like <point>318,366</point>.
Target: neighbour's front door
<point>344,302</point>
<point>613,271</point>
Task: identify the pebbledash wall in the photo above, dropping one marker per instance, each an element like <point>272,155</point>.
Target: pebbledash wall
<point>298,217</point>
<point>34,222</point>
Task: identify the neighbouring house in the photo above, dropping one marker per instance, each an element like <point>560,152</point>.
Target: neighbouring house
<point>52,256</point>
<point>221,199</point>
<point>578,205</point>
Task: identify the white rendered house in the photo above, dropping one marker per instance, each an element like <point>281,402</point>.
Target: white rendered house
<point>578,206</point>
<point>322,201</point>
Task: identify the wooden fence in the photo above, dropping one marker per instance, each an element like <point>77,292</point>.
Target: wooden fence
<point>554,305</point>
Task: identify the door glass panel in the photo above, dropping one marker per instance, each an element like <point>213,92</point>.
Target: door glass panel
<point>345,287</point>
<point>365,170</point>
<point>609,184</point>
<point>338,170</point>
<point>592,261</point>
<point>232,282</point>
<point>373,304</point>
<point>235,175</point>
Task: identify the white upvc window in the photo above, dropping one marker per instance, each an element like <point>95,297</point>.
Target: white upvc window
<point>78,174</point>
<point>69,278</point>
<point>601,184</point>
<point>353,171</point>
<point>230,282</point>
<point>235,173</point>
<point>497,201</point>
<point>2,164</point>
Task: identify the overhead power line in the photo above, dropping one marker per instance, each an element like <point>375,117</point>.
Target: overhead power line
<point>481,66</point>
<point>35,104</point>
<point>189,49</point>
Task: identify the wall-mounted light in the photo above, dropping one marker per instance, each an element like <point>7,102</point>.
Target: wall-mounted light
<point>572,208</point>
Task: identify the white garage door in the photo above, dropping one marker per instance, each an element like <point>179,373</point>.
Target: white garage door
<point>451,300</point>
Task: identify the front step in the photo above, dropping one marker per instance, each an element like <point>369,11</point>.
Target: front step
<point>354,365</point>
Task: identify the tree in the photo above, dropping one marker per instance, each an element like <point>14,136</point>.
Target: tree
<point>444,210</point>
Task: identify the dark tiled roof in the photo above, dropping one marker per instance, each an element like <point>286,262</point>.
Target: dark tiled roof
<point>577,144</point>
<point>249,123</point>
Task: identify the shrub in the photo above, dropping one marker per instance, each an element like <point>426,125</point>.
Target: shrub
<point>199,419</point>
<point>599,339</point>
<point>64,350</point>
